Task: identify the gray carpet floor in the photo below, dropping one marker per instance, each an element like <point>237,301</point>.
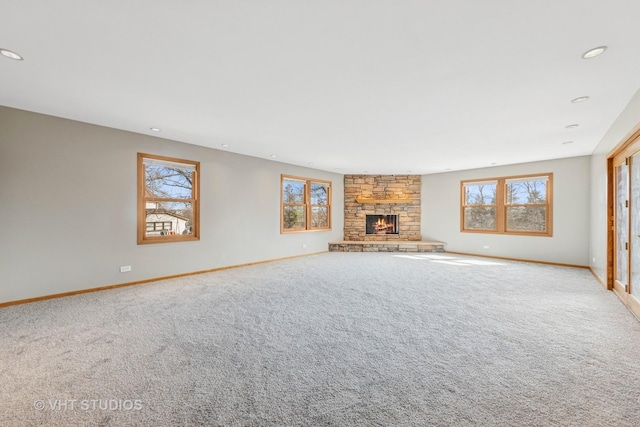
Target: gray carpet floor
<point>334,339</point>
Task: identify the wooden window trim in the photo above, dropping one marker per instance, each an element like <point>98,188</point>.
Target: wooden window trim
<point>463,205</point>
<point>501,205</point>
<point>307,204</point>
<point>142,201</point>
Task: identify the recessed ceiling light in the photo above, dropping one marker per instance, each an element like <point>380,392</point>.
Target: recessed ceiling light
<point>592,53</point>
<point>567,142</point>
<point>573,126</point>
<point>580,99</point>
<point>274,156</point>
<point>10,54</point>
<point>225,145</point>
<point>155,129</point>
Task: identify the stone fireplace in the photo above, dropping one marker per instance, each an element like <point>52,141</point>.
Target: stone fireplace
<point>372,201</point>
<point>382,214</point>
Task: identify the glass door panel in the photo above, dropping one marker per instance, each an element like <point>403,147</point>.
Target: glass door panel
<point>634,265</point>
<point>622,225</point>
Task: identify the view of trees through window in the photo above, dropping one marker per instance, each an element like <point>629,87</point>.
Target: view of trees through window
<point>305,204</point>
<point>527,204</point>
<point>294,207</point>
<point>169,197</point>
<point>516,205</point>
<point>166,184</point>
<point>480,206</point>
<point>319,205</point>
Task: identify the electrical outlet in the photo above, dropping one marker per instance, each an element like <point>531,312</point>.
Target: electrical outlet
<point>125,268</point>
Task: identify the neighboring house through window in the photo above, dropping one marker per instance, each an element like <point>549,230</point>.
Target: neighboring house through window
<point>305,204</point>
<point>508,205</point>
<point>168,199</point>
<point>160,227</point>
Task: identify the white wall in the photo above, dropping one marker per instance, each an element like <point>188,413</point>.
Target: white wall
<point>570,241</point>
<point>68,208</point>
<point>626,124</point>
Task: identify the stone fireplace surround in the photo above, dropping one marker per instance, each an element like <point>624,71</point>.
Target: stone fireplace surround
<point>383,195</point>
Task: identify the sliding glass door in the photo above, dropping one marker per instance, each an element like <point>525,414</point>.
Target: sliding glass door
<point>626,225</point>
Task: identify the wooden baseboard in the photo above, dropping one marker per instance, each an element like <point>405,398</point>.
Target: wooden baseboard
<point>620,291</point>
<point>140,282</point>
<point>634,306</point>
<point>598,278</point>
<point>560,264</point>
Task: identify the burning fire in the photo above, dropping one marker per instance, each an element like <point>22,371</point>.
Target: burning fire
<point>381,225</point>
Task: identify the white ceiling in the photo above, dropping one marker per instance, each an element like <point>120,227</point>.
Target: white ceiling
<point>345,85</point>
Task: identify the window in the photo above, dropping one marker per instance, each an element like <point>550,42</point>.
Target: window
<point>510,205</point>
<point>305,204</point>
<point>168,202</point>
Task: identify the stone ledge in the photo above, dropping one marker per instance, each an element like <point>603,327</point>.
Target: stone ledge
<point>385,246</point>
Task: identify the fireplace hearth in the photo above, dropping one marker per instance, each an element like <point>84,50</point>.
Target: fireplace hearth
<point>382,224</point>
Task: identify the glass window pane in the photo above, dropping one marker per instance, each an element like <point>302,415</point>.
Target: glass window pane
<point>168,182</point>
<point>294,217</point>
<point>319,217</point>
<point>480,218</point>
<point>527,218</point>
<point>319,193</point>
<point>526,191</point>
<point>170,219</point>
<point>293,192</point>
<point>482,193</point>
<point>167,199</point>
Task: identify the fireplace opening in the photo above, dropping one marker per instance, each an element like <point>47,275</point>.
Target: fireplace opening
<point>382,224</point>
